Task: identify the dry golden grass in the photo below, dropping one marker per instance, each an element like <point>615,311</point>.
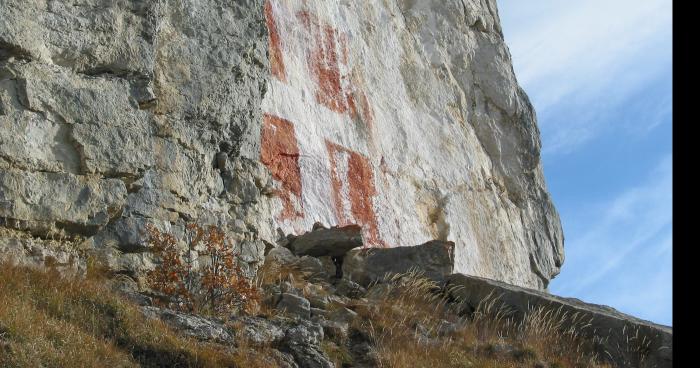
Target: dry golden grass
<point>50,321</point>
<point>405,326</point>
<point>274,273</point>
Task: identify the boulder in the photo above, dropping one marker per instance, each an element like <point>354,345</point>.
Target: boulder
<point>303,342</point>
<point>258,331</point>
<point>621,334</point>
<point>280,256</point>
<point>294,305</point>
<point>350,289</point>
<point>435,259</point>
<point>204,329</point>
<point>334,242</point>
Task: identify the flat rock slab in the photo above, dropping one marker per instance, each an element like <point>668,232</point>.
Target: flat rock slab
<point>434,258</point>
<point>204,329</point>
<point>623,336</point>
<point>334,242</point>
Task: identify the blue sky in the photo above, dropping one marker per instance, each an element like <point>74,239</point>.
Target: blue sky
<point>599,75</point>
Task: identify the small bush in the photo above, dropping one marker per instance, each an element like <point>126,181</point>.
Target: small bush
<point>205,279</point>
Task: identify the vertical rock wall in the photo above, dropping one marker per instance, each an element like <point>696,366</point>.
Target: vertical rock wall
<point>115,114</point>
<point>401,116</point>
<point>406,117</point>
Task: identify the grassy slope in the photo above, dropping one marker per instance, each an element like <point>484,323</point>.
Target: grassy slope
<point>49,321</point>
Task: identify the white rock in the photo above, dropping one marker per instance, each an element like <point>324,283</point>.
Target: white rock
<point>401,116</point>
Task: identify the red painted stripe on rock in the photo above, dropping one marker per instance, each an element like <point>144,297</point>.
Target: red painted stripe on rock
<point>277,67</point>
<point>280,153</point>
<point>361,191</point>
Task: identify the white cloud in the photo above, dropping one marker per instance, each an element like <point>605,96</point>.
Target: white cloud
<point>623,242</point>
<point>587,56</point>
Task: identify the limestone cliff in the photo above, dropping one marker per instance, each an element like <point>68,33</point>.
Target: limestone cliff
<point>265,117</point>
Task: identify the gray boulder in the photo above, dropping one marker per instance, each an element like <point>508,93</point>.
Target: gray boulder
<point>623,337</point>
<point>204,329</point>
<point>258,331</point>
<point>294,305</point>
<point>280,256</point>
<point>334,242</point>
<point>435,259</point>
<point>303,342</point>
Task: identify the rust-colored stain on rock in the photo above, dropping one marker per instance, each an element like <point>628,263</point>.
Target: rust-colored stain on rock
<point>275,45</point>
<point>328,62</point>
<point>280,153</point>
<point>359,179</point>
<point>324,62</point>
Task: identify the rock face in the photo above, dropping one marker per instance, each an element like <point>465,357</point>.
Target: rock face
<point>405,117</point>
<point>119,114</point>
<point>401,116</point>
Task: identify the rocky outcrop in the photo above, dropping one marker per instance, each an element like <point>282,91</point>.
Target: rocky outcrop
<point>334,242</point>
<point>403,117</point>
<point>434,260</point>
<point>201,328</point>
<point>311,314</point>
<point>623,339</point>
<point>20,248</point>
<point>119,114</point>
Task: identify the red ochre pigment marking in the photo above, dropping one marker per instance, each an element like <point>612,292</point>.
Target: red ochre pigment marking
<point>334,90</point>
<point>280,153</point>
<point>361,190</point>
<point>324,64</point>
<point>275,45</point>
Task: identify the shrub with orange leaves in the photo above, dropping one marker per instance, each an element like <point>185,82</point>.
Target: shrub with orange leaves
<point>205,277</point>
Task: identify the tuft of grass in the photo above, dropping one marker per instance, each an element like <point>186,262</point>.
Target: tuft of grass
<point>47,320</point>
<point>338,354</point>
<point>406,326</point>
<point>273,273</point>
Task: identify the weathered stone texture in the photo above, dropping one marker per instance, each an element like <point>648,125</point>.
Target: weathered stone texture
<point>409,121</point>
<point>403,117</point>
<point>115,114</point>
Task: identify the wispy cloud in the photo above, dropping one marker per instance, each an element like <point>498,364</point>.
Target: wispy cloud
<point>627,240</point>
<point>585,57</point>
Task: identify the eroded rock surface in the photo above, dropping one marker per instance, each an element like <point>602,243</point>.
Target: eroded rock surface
<point>403,117</point>
<point>434,259</point>
<point>119,114</point>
